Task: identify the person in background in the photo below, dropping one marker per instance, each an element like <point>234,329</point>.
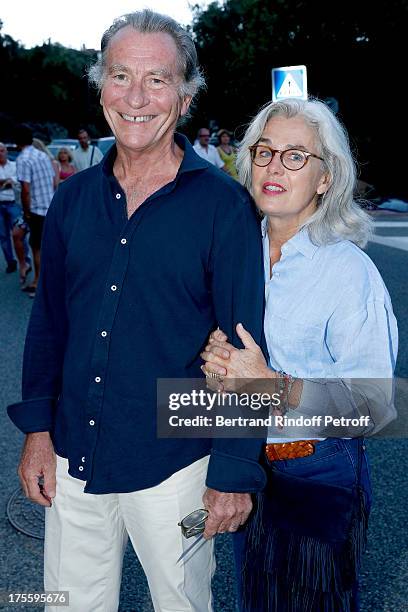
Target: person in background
<point>66,167</point>
<point>227,152</point>
<point>328,321</point>
<point>207,151</point>
<point>37,177</point>
<point>11,221</point>
<point>38,144</point>
<point>86,155</point>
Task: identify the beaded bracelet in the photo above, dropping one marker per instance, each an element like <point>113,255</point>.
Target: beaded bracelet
<point>286,382</point>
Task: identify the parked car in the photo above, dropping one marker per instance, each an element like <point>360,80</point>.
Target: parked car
<point>56,144</point>
<point>104,144</point>
<point>393,205</point>
<point>12,151</point>
<point>71,143</point>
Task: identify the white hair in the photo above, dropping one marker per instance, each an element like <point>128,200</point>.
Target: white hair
<point>338,215</point>
<point>149,22</point>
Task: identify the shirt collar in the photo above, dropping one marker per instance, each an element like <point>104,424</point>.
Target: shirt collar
<point>300,242</point>
<point>200,146</point>
<point>190,162</point>
<point>27,149</point>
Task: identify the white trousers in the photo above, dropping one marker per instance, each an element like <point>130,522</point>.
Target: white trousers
<point>86,536</point>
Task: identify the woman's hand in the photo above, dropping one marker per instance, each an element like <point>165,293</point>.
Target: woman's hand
<point>231,363</point>
<point>217,347</point>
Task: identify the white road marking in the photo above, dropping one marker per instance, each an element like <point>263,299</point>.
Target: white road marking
<point>396,242</point>
<point>391,223</point>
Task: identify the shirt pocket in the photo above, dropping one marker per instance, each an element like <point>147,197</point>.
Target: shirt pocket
<point>295,348</point>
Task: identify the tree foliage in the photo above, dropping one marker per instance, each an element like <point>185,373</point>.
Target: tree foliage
<point>352,50</point>
<point>46,85</point>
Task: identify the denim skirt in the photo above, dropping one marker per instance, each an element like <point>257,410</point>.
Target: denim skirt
<point>287,570</point>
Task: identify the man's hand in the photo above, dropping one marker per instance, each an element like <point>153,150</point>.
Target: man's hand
<point>227,511</point>
<point>38,460</point>
<point>6,183</point>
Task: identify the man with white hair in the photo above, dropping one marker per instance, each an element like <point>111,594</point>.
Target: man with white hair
<point>11,218</point>
<point>143,255</point>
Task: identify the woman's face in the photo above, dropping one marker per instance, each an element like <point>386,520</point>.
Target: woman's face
<point>289,194</point>
<point>63,155</point>
<point>225,139</point>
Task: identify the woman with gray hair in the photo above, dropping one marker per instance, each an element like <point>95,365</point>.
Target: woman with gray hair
<point>328,317</point>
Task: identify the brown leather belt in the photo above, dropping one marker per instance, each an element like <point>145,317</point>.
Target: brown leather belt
<point>290,450</point>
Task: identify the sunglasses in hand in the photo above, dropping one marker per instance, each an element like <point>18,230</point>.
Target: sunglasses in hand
<point>194,523</point>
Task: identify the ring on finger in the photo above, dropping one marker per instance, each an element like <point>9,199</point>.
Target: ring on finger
<point>213,375</point>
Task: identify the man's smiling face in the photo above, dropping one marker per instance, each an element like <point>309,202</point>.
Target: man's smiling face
<point>140,95</point>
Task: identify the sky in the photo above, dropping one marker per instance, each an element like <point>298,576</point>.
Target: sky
<point>78,22</point>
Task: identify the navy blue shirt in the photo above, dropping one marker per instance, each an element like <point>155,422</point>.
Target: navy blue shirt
<point>122,302</point>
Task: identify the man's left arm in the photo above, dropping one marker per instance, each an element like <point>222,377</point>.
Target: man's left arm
<point>24,176</point>
<point>238,296</point>
<point>46,335</point>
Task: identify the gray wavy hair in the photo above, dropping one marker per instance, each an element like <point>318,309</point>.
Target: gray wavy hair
<point>338,215</point>
<point>149,22</point>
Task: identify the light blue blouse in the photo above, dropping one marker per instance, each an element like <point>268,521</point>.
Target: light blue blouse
<point>328,313</point>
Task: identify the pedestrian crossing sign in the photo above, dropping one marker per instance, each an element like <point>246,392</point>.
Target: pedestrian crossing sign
<point>289,82</point>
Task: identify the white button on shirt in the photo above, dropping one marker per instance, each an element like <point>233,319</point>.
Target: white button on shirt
<point>92,422</point>
<point>123,241</point>
<point>113,288</point>
<point>97,379</point>
<point>118,196</point>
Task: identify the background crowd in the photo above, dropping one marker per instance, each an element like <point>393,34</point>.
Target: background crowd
<point>239,42</point>
<point>27,186</point>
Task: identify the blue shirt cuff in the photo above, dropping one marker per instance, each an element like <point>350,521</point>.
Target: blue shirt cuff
<point>231,474</point>
<point>33,415</point>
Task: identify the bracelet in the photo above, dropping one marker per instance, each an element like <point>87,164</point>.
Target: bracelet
<point>291,382</point>
<point>286,382</point>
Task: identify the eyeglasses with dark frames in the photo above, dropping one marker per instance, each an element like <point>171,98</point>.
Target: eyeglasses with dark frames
<point>291,159</point>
